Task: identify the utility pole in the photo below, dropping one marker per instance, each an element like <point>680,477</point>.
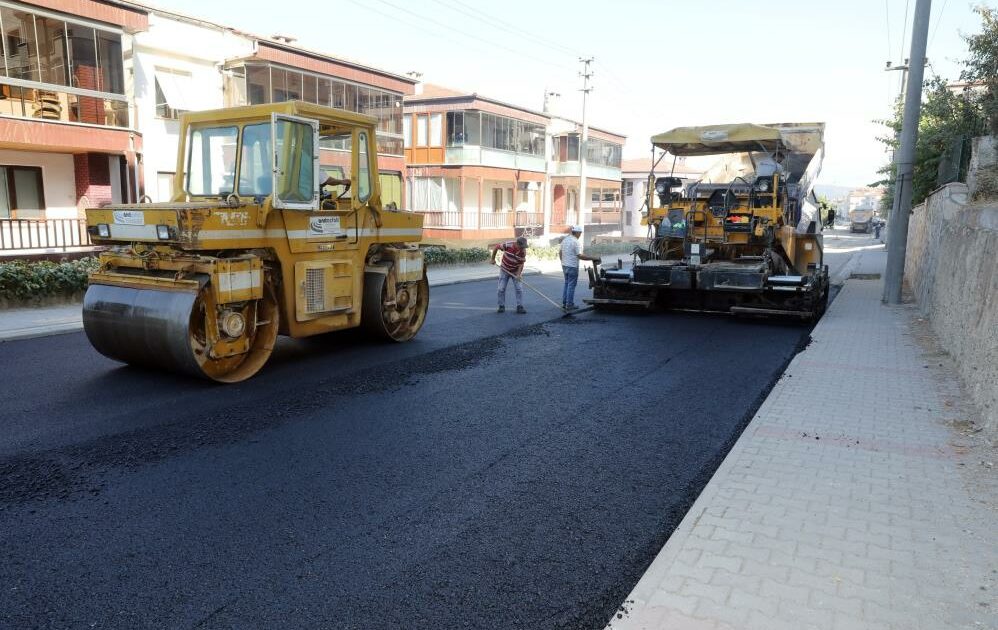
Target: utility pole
<point>897,241</point>
<point>586,74</point>
<point>903,68</point>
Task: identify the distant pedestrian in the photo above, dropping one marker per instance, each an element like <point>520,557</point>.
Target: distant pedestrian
<point>514,256</point>
<point>831,218</point>
<point>570,255</point>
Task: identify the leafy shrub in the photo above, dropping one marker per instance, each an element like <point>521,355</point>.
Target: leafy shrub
<point>435,255</point>
<point>24,280</point>
<point>444,256</point>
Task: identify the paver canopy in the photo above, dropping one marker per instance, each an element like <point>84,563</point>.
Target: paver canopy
<point>741,138</point>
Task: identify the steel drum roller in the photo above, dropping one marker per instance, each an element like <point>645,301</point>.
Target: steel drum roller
<point>142,326</point>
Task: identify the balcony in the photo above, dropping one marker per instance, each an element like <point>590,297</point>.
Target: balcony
<point>52,105</point>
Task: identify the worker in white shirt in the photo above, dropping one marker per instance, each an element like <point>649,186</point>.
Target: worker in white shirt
<point>570,255</point>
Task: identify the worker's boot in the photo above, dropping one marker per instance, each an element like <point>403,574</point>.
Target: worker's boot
<point>521,310</point>
<point>501,309</point>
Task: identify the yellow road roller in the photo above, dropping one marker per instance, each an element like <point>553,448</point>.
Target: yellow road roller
<point>275,226</point>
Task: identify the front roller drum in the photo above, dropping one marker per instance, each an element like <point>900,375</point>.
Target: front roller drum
<point>167,330</point>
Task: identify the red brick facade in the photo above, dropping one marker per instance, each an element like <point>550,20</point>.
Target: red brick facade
<point>93,179</point>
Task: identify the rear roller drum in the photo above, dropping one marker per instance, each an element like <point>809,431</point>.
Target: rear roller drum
<point>397,315</point>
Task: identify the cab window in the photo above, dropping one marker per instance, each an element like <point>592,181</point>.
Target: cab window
<point>211,160</point>
<point>256,175</point>
<point>295,163</point>
<point>363,168</point>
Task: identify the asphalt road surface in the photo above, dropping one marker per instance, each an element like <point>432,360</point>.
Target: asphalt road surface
<point>515,471</point>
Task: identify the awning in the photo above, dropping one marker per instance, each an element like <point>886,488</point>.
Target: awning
<point>179,91</point>
<point>713,139</point>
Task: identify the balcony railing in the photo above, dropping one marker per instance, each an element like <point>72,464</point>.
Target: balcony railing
<point>496,220</point>
<point>436,219</point>
<point>529,219</point>
<point>442,220</point>
<point>43,234</point>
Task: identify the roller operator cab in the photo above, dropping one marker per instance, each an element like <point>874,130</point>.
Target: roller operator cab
<point>745,239</point>
<point>275,226</point>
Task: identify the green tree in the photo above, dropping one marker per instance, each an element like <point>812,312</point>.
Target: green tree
<point>982,65</point>
<point>950,118</point>
<point>942,154</point>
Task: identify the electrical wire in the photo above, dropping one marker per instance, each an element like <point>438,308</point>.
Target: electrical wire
<point>939,19</point>
<point>904,31</point>
<point>496,22</point>
<point>437,24</point>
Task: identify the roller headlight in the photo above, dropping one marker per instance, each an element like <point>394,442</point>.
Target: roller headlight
<point>103,230</point>
<point>163,232</point>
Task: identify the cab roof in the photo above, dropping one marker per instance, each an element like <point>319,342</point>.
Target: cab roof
<point>325,115</point>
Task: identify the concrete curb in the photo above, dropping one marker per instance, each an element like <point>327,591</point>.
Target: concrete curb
<point>21,334</point>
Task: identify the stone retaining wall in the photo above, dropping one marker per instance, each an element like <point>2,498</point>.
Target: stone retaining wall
<point>952,268</point>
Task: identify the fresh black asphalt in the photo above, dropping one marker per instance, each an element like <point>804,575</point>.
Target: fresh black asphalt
<point>515,471</point>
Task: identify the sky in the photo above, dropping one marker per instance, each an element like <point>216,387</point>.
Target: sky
<point>657,64</point>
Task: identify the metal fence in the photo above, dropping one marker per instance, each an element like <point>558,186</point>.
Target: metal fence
<point>43,234</point>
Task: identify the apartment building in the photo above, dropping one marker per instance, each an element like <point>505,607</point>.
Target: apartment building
<point>481,169</point>
<point>91,93</point>
<point>68,137</point>
<point>602,214</point>
<point>230,68</point>
<point>476,165</point>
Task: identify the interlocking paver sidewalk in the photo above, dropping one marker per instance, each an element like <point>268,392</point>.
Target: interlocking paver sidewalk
<point>847,503</point>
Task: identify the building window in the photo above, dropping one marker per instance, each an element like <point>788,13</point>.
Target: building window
<point>455,129</point>
<point>172,89</point>
<point>266,83</point>
<point>60,66</point>
<point>603,153</point>
<point>436,129</point>
<point>628,188</point>
<point>421,122</point>
<point>407,131</point>
<point>497,200</point>
<point>21,191</point>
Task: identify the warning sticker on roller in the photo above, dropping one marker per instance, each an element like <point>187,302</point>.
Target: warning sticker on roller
<point>129,217</point>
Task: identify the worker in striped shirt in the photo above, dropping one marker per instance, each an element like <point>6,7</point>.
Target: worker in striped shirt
<point>514,255</point>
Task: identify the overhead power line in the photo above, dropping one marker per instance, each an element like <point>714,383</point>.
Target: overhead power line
<point>939,18</point>
<point>493,21</point>
<point>904,26</point>
<point>464,34</point>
